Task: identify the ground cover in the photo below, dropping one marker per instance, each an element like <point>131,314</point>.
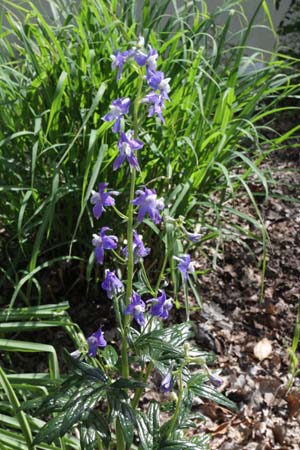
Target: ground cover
<point>233,321</point>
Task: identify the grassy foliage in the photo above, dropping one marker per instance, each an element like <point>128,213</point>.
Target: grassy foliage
<point>54,77</point>
<point>17,428</point>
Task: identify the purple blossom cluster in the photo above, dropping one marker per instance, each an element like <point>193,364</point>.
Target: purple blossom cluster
<point>159,85</point>
<point>185,265</point>
<point>147,202</point>
<point>138,248</point>
<point>159,307</point>
<point>166,383</point>
<point>95,341</point>
<point>101,199</point>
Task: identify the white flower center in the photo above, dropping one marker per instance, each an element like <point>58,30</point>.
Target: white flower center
<point>139,308</point>
<point>164,85</point>
<point>151,199</point>
<point>97,240</point>
<point>126,149</point>
<point>115,110</point>
<point>95,197</point>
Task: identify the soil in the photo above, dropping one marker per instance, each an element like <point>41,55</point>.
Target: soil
<point>252,334</point>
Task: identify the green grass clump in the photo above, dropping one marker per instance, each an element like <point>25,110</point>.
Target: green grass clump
<point>54,77</point>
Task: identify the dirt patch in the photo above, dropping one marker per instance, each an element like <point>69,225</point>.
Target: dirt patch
<point>234,320</point>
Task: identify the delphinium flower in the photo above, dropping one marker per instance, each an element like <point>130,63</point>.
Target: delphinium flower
<point>136,308</point>
<point>194,237</point>
<point>119,59</point>
<point>148,204</point>
<point>101,199</point>
<point>166,383</point>
<point>156,105</point>
<point>103,242</point>
<point>185,265</point>
<point>111,284</point>
<point>138,248</point>
<point>215,380</point>
<point>161,306</point>
<point>157,81</point>
<point>118,108</point>
<point>147,59</point>
<point>127,147</point>
<point>94,341</point>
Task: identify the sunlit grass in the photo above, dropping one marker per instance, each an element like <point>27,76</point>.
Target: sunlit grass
<point>53,80</point>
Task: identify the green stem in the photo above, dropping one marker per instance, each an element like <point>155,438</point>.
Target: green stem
<point>161,273</point>
<point>130,267</point>
<point>139,391</point>
<point>119,435</point>
<point>147,279</point>
<point>118,314</point>
<point>119,258</point>
<point>99,443</point>
<point>178,404</point>
<point>130,261</point>
<point>186,299</point>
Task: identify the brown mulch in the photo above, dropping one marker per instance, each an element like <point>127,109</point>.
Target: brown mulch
<point>235,319</point>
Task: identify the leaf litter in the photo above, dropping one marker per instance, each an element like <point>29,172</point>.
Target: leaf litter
<point>251,337</point>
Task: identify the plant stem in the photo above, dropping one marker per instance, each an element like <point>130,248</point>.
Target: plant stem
<point>140,390</point>
<point>130,266</point>
<point>119,435</point>
<point>178,404</point>
<point>130,261</point>
<point>118,314</point>
<point>186,299</point>
<point>161,273</point>
<point>147,279</point>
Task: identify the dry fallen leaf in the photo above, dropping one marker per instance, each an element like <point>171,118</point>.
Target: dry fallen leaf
<point>263,349</point>
<point>293,403</point>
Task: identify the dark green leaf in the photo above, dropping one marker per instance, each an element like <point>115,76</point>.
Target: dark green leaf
<point>145,437</point>
<point>93,426</point>
<point>88,437</point>
<point>180,445</point>
<point>197,386</point>
<point>126,418</point>
<point>75,410</point>
<point>101,425</point>
<point>85,369</point>
<point>124,383</point>
<point>154,420</point>
<point>110,355</point>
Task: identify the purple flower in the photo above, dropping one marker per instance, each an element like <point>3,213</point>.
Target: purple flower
<point>149,204</point>
<point>157,81</point>
<point>94,341</point>
<point>161,306</point>
<point>139,249</point>
<point>156,105</point>
<point>215,380</point>
<point>194,237</point>
<point>149,60</point>
<point>127,147</point>
<point>102,242</point>
<point>101,199</point>
<point>119,59</point>
<point>111,284</point>
<point>136,308</point>
<point>118,108</point>
<point>185,265</point>
<point>167,383</point>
